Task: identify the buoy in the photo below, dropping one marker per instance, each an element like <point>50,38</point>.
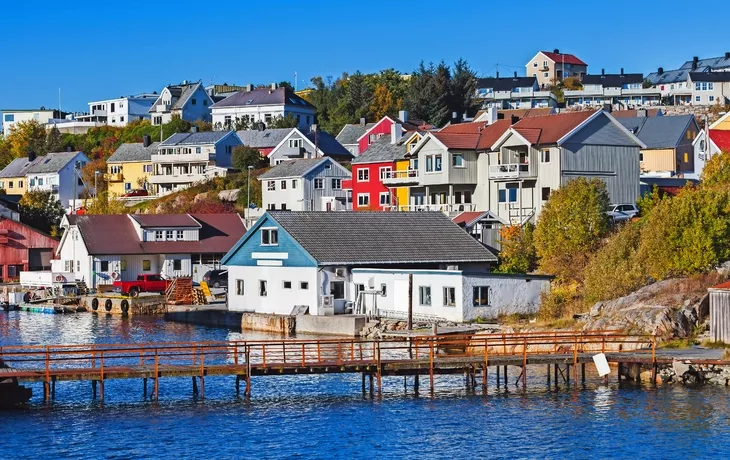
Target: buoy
<point>95,304</point>
<point>125,306</point>
<point>115,276</point>
<point>108,305</point>
<point>60,278</point>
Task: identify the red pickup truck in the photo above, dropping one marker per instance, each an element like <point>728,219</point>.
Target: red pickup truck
<point>144,283</point>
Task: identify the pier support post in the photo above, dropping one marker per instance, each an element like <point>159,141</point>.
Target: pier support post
<point>372,385</point>
<point>53,389</point>
<point>620,370</point>
<point>524,377</point>
<point>567,374</point>
<point>363,383</point>
<point>556,375</point>
<point>238,385</point>
<point>505,377</point>
<point>202,387</point>
<point>195,387</point>
<point>93,389</point>
<point>548,375</point>
<point>485,376</point>
<point>144,388</point>
<point>583,373</point>
<point>498,378</point>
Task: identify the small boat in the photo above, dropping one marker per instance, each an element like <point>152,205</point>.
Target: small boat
<point>11,392</point>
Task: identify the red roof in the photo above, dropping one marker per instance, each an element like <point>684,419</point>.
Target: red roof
<point>568,58</point>
<point>487,134</point>
<point>725,285</point>
<point>457,140</point>
<point>550,129</point>
<point>165,220</point>
<point>633,113</point>
<point>721,138</point>
<point>467,217</point>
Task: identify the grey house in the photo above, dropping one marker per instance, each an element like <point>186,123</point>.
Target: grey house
<point>305,185</point>
<point>310,144</point>
<point>350,133</point>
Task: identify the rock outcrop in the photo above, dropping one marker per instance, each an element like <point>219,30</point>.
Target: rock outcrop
<point>229,195</point>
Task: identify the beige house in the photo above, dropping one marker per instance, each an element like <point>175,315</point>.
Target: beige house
<point>549,67</point>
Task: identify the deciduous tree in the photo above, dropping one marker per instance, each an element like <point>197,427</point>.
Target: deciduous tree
<point>244,156</point>
<point>717,170</point>
<point>40,210</point>
<point>518,250</point>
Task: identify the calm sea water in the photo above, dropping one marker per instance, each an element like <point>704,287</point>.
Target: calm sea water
<point>327,417</point>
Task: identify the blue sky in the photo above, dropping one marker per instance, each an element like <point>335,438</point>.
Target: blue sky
<point>99,50</point>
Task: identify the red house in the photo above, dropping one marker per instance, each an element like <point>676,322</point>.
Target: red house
<point>383,127</point>
<point>23,248</point>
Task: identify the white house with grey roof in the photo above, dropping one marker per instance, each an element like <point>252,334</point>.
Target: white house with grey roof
<point>189,101</point>
<point>350,133</point>
<point>56,173</point>
<point>13,176</point>
<point>184,159</point>
<point>308,144</point>
<point>263,105</point>
<point>305,185</point>
<point>120,111</point>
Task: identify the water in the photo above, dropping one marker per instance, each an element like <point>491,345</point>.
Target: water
<point>327,417</point>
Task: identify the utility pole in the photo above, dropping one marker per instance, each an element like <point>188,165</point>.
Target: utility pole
<point>296,83</point>
<point>248,198</point>
<point>76,180</point>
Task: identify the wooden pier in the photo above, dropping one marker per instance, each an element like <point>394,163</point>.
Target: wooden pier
<point>427,356</point>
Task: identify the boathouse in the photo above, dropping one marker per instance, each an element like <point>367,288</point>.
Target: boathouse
<point>23,248</point>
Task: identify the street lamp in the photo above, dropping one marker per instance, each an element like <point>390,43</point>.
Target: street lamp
<point>248,194</point>
<point>96,189</point>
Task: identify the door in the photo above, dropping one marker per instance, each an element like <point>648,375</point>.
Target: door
<point>39,259</point>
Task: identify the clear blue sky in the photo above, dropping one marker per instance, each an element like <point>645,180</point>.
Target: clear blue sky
<point>100,50</point>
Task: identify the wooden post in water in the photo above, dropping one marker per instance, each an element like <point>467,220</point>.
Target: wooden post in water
<point>583,373</point>
<point>363,383</point>
<point>556,375</point>
<point>498,378</point>
<point>144,388</point>
<point>195,386</point>
<point>156,388</point>
<point>238,385</point>
<point>505,377</point>
<point>548,375</point>
<point>53,388</point>
<point>93,389</point>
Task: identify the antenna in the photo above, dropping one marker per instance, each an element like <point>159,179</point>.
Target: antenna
<point>296,83</point>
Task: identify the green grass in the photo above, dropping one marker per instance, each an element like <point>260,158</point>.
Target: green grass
<point>718,344</point>
<point>677,343</point>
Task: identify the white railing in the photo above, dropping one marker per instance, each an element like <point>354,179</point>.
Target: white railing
<point>509,170</point>
<point>400,177</point>
<point>445,208</point>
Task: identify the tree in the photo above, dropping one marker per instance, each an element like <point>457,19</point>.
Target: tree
<point>105,203</point>
<point>289,121</point>
<point>572,84</point>
<point>6,155</point>
<point>53,141</point>
<point>382,104</point>
<point>463,87</point>
<point>518,249</point>
<point>25,137</point>
<point>244,156</point>
<point>648,201</point>
<point>717,170</point>
<point>40,210</point>
<point>571,225</point>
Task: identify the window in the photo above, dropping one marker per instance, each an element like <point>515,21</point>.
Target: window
<point>383,290</point>
<point>303,285</point>
<point>363,175</point>
<point>180,236</point>
<point>122,265</point>
<point>363,200</point>
<point>9,117</point>
<point>262,288</point>
<point>385,172</point>
<point>168,235</point>
<point>283,185</point>
<point>146,265</point>
<point>641,156</point>
<point>534,64</point>
<point>545,156</point>
<point>40,182</point>
<point>437,163</point>
<point>121,119</point>
<point>267,118</point>
<point>147,168</point>
<point>336,184</point>
<point>449,297</point>
<point>269,237</point>
<point>177,264</point>
<point>467,196</point>
<point>508,194</point>
<point>283,206</point>
<point>686,157</point>
<point>711,98</point>
<point>205,102</point>
<point>384,198</point>
<point>424,296</point>
<point>271,207</point>
<point>327,166</point>
<point>239,287</point>
<point>193,101</point>
<point>546,74</point>
<point>545,193</point>
<point>10,183</point>
<point>293,183</point>
<point>158,235</point>
<point>698,98</point>
<point>544,63</point>
<point>197,149</point>
<point>20,184</point>
<point>104,266</point>
<point>457,160</point>
<point>287,284</point>
<point>429,163</point>
<point>337,289</point>
<point>295,143</point>
<point>481,296</point>
<point>318,183</point>
<point>271,185</point>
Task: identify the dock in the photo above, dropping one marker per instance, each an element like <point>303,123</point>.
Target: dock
<point>474,356</point>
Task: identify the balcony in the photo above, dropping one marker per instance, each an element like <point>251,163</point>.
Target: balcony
<point>183,158</point>
<point>510,171</point>
<point>162,108</point>
<point>114,177</point>
<point>407,177</point>
<point>176,178</point>
<point>445,208</point>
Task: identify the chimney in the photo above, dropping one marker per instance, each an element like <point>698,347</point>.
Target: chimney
<point>193,129</point>
<point>608,108</point>
<point>727,54</point>
<point>492,115</point>
<point>396,132</point>
<point>249,87</point>
<point>313,128</point>
<point>69,149</point>
<point>403,115</point>
<point>32,156</point>
<point>498,74</point>
<point>146,140</point>
<point>362,122</point>
<point>622,70</point>
<point>603,71</point>
<point>514,119</point>
<point>273,86</point>
<point>642,113</point>
<point>515,74</point>
<point>556,51</point>
<point>695,62</point>
<point>660,70</point>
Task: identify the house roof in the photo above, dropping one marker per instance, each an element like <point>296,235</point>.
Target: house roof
<point>710,76</point>
<point>164,220</point>
<point>722,286</point>
<point>658,132</point>
<point>668,76</point>
<point>716,63</point>
<point>519,113</point>
<point>133,152</point>
<point>263,139</point>
<point>218,234</point>
<point>549,129</point>
<point>351,133</point>
<point>208,137</point>
<point>613,80</point>
<point>506,83</point>
<point>467,218</point>
<point>19,167</point>
<point>633,113</point>
<point>382,237</point>
<point>458,141</point>
<point>53,162</point>
<point>327,144</point>
<point>562,57</point>
<point>721,138</point>
<point>181,92</point>
<point>264,96</point>
<point>294,168</point>
<point>383,150</point>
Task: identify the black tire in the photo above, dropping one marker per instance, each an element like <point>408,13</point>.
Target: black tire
<point>217,284</point>
<point>124,306</point>
<point>108,305</point>
<point>134,292</point>
<point>26,297</point>
<point>95,304</point>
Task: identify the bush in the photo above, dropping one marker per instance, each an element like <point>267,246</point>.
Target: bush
<point>518,250</point>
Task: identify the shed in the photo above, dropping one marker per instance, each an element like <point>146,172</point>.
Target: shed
<point>720,312</point>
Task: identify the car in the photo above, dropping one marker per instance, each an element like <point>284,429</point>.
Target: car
<point>623,212</point>
<point>144,283</point>
<point>139,192</point>
<point>216,278</point>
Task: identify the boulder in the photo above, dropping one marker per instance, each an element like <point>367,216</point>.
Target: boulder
<point>200,197</point>
<point>229,195</point>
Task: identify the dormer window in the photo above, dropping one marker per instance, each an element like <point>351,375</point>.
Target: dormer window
<point>269,237</point>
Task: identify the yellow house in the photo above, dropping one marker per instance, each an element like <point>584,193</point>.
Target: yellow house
<point>130,166</point>
<point>722,124</point>
<point>12,177</point>
<point>402,194</point>
<point>669,143</point>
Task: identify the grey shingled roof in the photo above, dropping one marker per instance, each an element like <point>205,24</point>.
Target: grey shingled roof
<point>382,150</point>
<point>658,132</point>
<point>327,144</point>
<point>668,76</point>
<point>264,96</point>
<point>506,83</point>
<point>357,238</point>
<point>351,133</point>
<point>613,80</point>
<point>187,91</point>
<point>208,137</point>
<point>263,139</point>
<point>53,162</point>
<point>710,76</point>
<point>133,152</point>
<point>292,168</point>
<point>19,167</point>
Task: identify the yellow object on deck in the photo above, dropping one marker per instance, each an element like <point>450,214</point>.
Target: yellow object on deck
<point>205,288</point>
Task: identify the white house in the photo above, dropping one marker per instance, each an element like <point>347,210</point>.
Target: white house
<point>58,173</point>
<point>308,144</point>
<point>42,116</point>
<point>120,111</point>
<point>622,89</point>
<point>189,101</point>
<point>101,248</point>
<point>305,185</point>
<point>263,105</point>
<point>186,158</point>
<point>514,93</point>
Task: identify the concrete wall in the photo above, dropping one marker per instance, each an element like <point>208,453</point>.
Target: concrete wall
<point>507,295</point>
<point>278,300</point>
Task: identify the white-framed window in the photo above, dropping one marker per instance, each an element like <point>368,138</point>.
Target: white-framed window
<point>385,172</point>
<point>698,98</point>
<point>363,200</point>
<point>545,193</point>
<point>158,235</point>
<point>293,183</point>
<point>433,163</point>
<point>318,183</point>
<point>544,63</point>
<point>336,184</point>
<point>295,143</point>
<point>384,198</point>
<point>180,235</point>
<point>269,237</point>
<point>449,297</point>
<point>546,74</point>
<point>283,185</point>
<point>286,284</point>
<point>534,64</point>
<point>168,235</point>
<point>239,287</point>
<point>481,296</point>
<point>457,160</point>
<point>262,288</point>
<point>303,285</point>
<point>424,296</point>
<point>545,156</point>
<point>271,185</point>
<point>177,264</point>
<point>641,156</point>
<point>711,98</point>
<point>363,175</point>
<point>271,206</point>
